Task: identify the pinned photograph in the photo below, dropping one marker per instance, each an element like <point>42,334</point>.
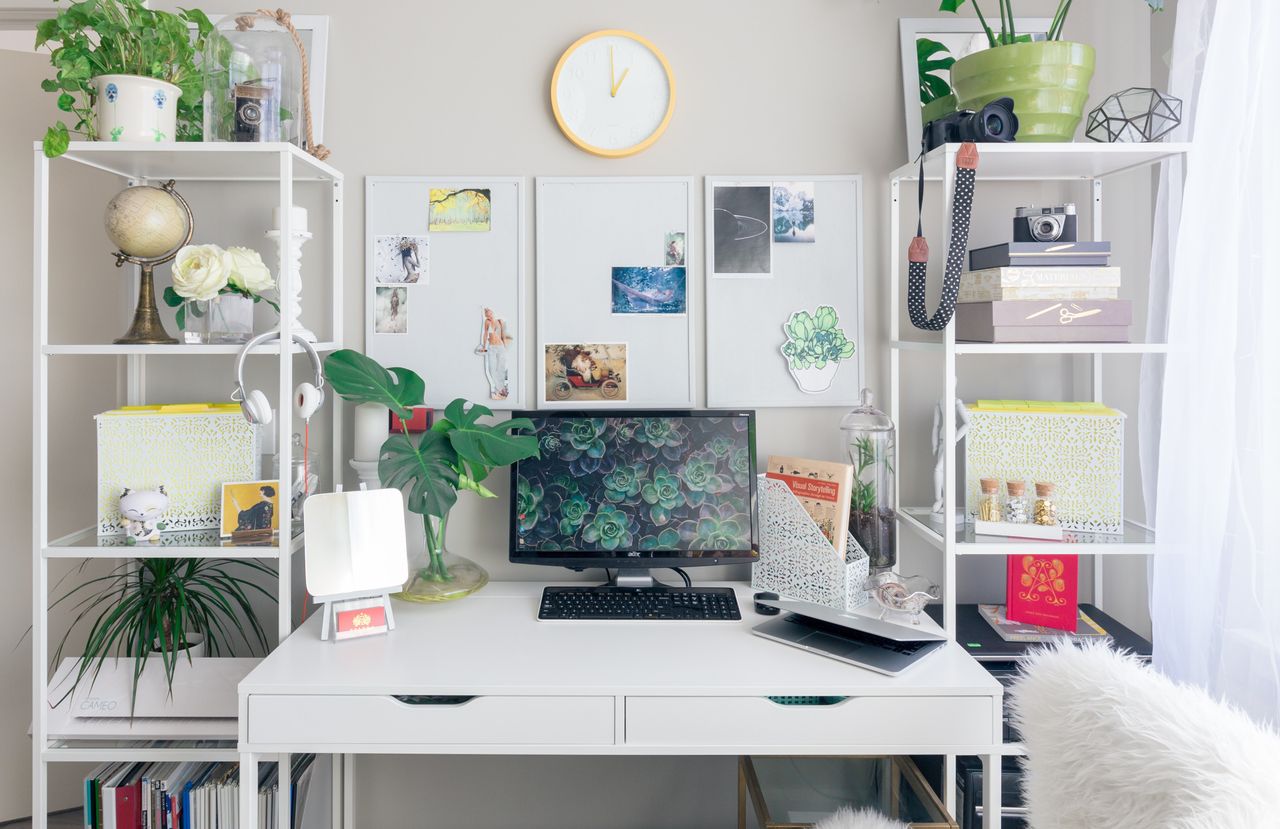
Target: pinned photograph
<point>453,211</point>
<point>793,211</point>
<point>585,372</point>
<point>401,260</point>
<point>742,239</point>
<point>250,507</point>
<point>495,340</point>
<point>674,248</point>
<point>649,290</point>
<point>391,310</point>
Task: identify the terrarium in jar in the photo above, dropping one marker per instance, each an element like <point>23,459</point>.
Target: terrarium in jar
<point>253,82</point>
<point>869,436</point>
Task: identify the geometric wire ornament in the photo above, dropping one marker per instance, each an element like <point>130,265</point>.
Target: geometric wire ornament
<point>1135,115</point>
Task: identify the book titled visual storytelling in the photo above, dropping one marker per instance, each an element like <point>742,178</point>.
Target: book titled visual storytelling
<point>823,489</point>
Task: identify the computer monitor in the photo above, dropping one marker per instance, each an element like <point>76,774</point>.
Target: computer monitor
<point>636,489</point>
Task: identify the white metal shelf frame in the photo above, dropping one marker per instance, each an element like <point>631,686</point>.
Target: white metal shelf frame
<point>1002,162</point>
<point>284,164</point>
<point>1006,162</point>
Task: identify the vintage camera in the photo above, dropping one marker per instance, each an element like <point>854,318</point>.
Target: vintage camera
<point>1045,224</point>
<point>995,122</point>
<point>251,102</point>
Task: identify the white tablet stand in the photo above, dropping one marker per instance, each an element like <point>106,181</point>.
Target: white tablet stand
<point>356,550</point>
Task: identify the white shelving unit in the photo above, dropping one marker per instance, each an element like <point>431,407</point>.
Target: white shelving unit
<point>140,163</point>
<point>1013,162</point>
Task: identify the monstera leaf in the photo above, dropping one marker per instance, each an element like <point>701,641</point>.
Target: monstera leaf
<point>482,447</point>
<point>360,379</point>
<point>932,87</point>
<point>424,469</point>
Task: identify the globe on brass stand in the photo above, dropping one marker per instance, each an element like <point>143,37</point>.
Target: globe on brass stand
<point>149,225</point>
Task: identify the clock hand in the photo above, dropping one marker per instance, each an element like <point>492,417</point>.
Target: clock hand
<point>614,85</point>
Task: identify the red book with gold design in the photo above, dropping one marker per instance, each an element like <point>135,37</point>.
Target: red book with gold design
<point>1042,590</point>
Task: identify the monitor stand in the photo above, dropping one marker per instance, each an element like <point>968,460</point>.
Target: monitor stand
<point>639,578</point>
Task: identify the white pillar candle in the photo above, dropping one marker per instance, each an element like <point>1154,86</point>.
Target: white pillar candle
<point>297,218</point>
<point>373,424</point>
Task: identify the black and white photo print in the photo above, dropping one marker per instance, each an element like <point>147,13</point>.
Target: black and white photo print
<point>742,230</point>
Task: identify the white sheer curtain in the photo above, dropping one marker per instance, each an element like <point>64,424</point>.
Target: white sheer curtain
<point>1215,591</point>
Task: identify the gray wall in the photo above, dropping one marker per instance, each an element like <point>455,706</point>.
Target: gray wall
<point>456,88</point>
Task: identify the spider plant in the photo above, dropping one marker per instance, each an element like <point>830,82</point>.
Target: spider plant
<point>152,607</point>
<point>1007,33</point>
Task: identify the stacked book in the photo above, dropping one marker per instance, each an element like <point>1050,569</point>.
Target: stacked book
<point>198,795</point>
<point>1042,292</point>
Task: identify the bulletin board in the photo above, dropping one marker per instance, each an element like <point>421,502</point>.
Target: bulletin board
<point>615,280</point>
<point>809,258</point>
<point>449,248</point>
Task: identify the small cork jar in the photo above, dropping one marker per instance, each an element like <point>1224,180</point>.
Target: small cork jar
<point>989,504</point>
<point>1045,513</point>
<point>1016,508</point>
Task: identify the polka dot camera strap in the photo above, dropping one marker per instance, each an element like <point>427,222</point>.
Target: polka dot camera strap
<point>918,253</point>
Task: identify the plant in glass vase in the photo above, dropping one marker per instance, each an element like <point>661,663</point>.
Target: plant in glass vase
<point>215,290</point>
<point>455,455</point>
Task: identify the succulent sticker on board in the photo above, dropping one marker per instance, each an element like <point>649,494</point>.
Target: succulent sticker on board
<point>814,348</point>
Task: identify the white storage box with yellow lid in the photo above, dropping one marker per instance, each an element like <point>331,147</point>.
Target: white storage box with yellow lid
<point>1079,447</point>
<point>190,449</point>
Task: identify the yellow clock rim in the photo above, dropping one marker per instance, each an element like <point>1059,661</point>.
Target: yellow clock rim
<point>671,99</point>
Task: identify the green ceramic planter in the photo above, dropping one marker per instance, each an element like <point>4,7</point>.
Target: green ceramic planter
<point>1047,80</point>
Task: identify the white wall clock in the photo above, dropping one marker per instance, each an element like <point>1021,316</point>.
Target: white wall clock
<point>613,93</point>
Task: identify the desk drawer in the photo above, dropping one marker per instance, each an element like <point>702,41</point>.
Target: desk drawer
<point>353,719</point>
<point>757,721</point>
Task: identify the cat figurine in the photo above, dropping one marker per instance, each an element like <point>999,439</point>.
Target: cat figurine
<point>142,514</point>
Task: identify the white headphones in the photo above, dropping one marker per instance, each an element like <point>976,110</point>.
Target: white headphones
<point>307,397</point>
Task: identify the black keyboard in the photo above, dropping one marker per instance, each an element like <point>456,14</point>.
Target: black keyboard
<point>702,603</point>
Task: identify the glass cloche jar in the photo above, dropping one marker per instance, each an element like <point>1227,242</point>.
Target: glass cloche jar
<point>253,82</point>
<point>869,436</point>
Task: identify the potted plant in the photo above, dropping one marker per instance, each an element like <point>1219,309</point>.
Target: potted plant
<point>215,290</point>
<point>814,347</point>
<point>456,454</point>
<point>173,608</point>
<point>1048,80</point>
<point>124,72</point>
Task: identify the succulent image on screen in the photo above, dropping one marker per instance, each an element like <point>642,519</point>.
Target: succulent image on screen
<point>615,484</point>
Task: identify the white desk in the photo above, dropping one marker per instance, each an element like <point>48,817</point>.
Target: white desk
<point>584,687</point>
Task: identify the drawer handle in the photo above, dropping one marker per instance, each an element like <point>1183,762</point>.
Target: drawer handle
<point>431,699</point>
<point>806,701</point>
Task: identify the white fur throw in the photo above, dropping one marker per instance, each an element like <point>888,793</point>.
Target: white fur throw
<point>847,818</point>
<point>1113,743</point>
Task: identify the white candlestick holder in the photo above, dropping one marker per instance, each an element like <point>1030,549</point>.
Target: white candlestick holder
<point>291,306</point>
<point>367,472</point>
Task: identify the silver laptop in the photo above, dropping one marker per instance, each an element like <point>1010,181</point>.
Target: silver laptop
<point>874,644</point>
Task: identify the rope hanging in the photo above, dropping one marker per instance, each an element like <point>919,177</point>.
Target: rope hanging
<point>282,18</point>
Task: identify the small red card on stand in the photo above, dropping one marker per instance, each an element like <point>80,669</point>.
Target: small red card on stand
<point>1042,590</point>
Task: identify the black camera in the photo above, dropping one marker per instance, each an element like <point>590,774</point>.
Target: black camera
<point>995,122</point>
<point>1045,224</point>
<point>251,102</point>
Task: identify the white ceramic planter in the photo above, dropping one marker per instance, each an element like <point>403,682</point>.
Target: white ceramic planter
<point>195,649</point>
<point>815,380</point>
<point>133,108</point>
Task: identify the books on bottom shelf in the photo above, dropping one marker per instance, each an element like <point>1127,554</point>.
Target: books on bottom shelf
<point>1086,628</point>
<point>202,795</point>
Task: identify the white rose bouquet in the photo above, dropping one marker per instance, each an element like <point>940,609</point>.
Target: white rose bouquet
<point>202,272</point>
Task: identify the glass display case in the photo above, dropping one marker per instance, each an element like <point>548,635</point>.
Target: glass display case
<point>797,792</point>
<point>253,82</point>
<point>869,436</point>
